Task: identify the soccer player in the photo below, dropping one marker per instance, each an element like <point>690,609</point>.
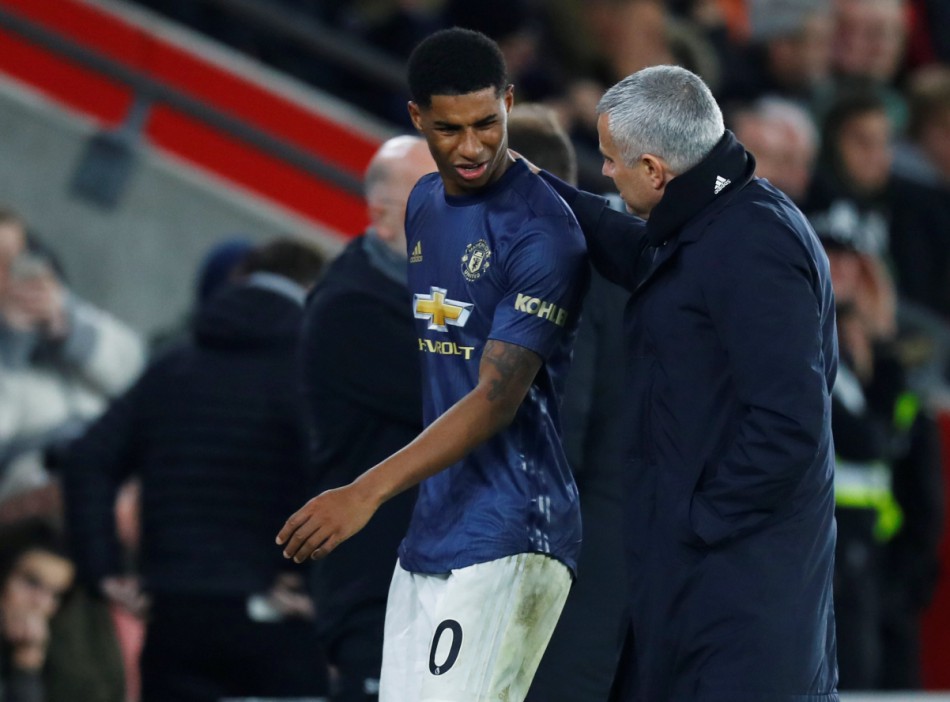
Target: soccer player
<point>497,268</point>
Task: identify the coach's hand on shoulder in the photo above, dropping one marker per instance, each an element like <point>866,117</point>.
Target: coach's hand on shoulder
<point>518,157</point>
<point>324,523</point>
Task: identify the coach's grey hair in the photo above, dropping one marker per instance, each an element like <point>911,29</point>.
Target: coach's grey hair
<point>666,111</point>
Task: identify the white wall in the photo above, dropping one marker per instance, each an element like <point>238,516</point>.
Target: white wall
<point>139,260</point>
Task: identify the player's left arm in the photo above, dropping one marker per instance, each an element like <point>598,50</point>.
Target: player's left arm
<point>505,374</point>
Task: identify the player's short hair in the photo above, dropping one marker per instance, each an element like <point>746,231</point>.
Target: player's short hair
<point>455,62</point>
<point>535,133</point>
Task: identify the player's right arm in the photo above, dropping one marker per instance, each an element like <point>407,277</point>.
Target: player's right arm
<point>615,239</point>
<point>505,374</point>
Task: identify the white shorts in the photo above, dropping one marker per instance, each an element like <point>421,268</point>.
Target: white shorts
<point>473,635</point>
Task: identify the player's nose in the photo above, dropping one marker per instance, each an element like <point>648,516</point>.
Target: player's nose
<point>470,147</point>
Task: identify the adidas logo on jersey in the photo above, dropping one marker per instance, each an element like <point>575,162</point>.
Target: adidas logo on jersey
<point>721,183</point>
<point>416,256</point>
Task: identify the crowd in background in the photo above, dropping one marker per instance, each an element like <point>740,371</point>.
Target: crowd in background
<point>845,105</point>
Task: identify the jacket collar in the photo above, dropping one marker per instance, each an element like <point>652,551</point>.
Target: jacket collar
<point>724,171</point>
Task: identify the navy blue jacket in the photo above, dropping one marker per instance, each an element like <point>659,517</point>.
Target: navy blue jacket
<point>214,430</point>
<point>732,355</point>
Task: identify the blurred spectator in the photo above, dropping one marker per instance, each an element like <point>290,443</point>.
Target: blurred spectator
<point>517,26</point>
<point>887,480</point>
<point>869,43</point>
<point>213,430</point>
<point>95,642</point>
<point>362,384</point>
<point>789,54</point>
<point>216,270</point>
<point>581,659</point>
<point>61,359</point>
<point>35,574</point>
<point>395,26</point>
<point>896,217</point>
<point>869,39</point>
<point>219,267</point>
<point>630,34</point>
<point>535,133</point>
<point>925,156</point>
<point>784,141</point>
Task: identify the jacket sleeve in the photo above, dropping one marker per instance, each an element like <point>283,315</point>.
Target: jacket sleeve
<point>95,467</point>
<point>614,239</point>
<point>764,297</point>
<point>104,351</point>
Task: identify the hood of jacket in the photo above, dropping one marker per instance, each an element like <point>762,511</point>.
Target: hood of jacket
<point>248,316</point>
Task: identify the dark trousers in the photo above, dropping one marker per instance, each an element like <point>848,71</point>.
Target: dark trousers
<point>203,649</point>
<point>859,605</point>
<point>581,659</point>
<point>357,656</point>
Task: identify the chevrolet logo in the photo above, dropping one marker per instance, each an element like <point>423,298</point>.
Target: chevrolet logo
<point>440,311</point>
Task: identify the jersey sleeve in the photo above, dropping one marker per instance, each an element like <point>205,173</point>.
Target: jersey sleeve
<point>546,276</point>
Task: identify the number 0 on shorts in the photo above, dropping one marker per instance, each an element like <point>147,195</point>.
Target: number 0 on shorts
<point>475,634</point>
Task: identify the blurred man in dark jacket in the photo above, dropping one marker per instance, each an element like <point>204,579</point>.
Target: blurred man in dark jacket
<point>214,430</point>
<point>362,384</point>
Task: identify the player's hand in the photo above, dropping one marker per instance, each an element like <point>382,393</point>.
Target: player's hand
<point>324,523</point>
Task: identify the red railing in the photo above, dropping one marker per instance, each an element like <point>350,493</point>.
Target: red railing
<point>46,44</point>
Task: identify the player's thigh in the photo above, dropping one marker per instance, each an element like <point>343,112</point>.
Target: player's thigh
<point>410,611</point>
<point>491,628</point>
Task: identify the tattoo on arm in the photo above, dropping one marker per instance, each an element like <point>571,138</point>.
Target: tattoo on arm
<point>516,365</point>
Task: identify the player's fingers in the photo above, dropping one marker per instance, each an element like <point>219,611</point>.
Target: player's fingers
<point>324,550</point>
<point>299,538</point>
<point>315,541</point>
<point>294,522</point>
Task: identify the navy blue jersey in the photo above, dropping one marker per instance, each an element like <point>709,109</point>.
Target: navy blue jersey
<point>507,263</point>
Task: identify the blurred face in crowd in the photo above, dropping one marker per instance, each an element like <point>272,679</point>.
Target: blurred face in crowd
<point>401,162</point>
<point>12,244</point>
<point>864,150</point>
<point>935,141</point>
<point>37,583</point>
<point>869,38</point>
<point>634,36</point>
<point>801,60</point>
<point>640,185</point>
<point>784,155</point>
<point>845,268</point>
<point>467,136</point>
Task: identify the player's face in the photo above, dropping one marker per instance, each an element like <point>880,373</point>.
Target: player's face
<point>637,183</point>
<point>468,137</point>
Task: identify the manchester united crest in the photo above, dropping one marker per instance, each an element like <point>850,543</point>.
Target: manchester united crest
<point>476,260</point>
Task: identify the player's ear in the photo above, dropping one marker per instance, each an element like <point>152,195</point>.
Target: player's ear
<point>415,114</point>
<point>509,97</point>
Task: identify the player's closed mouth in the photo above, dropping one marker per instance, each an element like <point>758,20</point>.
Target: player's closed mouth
<point>472,171</point>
